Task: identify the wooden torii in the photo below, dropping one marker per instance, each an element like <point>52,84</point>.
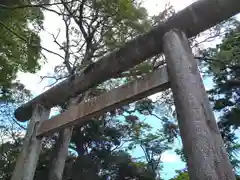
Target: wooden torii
<point>180,74</point>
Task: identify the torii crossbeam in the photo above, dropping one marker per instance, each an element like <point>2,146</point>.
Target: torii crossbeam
<point>194,19</point>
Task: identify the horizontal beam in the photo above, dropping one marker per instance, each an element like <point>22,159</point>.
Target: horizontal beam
<point>154,82</point>
<point>194,19</point>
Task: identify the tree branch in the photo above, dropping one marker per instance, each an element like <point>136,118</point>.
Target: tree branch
<point>15,121</point>
<point>23,39</point>
<point>32,5</point>
<point>80,24</point>
<point>67,46</point>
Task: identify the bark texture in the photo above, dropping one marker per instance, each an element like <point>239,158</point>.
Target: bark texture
<point>60,154</point>
<point>194,19</point>
<point>60,150</point>
<point>28,158</point>
<point>203,146</point>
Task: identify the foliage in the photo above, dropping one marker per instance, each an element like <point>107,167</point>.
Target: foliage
<point>224,67</point>
<point>223,64</point>
<point>19,44</point>
<point>16,93</point>
<point>182,175</point>
<point>8,154</point>
<point>11,131</point>
<point>100,27</point>
<point>126,20</point>
<point>98,151</point>
<point>102,147</point>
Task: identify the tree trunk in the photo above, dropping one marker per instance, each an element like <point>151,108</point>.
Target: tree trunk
<point>60,153</point>
<point>203,146</point>
<point>60,150</point>
<point>28,158</point>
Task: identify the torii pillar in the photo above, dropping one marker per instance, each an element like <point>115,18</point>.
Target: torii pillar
<point>204,149</point>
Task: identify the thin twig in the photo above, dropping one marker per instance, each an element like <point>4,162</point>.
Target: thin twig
<point>15,121</point>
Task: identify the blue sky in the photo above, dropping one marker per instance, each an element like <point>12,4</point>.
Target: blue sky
<point>170,160</point>
<point>52,23</point>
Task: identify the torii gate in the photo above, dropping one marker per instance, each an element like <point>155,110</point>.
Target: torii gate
<point>180,73</point>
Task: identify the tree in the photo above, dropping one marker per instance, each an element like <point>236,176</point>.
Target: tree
<point>11,131</point>
<point>91,30</point>
<point>222,63</point>
<point>20,43</point>
<point>182,175</point>
<point>97,150</point>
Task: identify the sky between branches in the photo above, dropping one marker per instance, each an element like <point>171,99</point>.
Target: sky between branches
<point>53,22</point>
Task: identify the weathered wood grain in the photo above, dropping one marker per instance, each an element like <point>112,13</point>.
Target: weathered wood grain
<point>27,160</point>
<point>202,141</point>
<point>149,84</point>
<point>194,19</point>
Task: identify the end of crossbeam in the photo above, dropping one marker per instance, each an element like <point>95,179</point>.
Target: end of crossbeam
<point>194,19</point>
<point>23,113</point>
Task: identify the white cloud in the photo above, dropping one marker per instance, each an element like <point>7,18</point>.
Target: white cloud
<point>170,157</point>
